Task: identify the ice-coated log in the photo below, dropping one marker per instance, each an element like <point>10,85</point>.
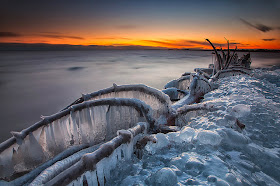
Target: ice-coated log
<point>95,167</point>
<point>195,107</point>
<point>218,62</point>
<point>27,178</point>
<point>231,72</point>
<point>90,122</point>
<point>182,83</point>
<point>60,166</point>
<point>158,101</point>
<point>185,113</point>
<point>199,86</point>
<point>207,72</point>
<point>174,93</point>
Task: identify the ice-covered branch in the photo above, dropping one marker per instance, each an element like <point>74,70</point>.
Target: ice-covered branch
<point>89,162</point>
<point>90,122</point>
<point>158,101</point>
<point>199,86</point>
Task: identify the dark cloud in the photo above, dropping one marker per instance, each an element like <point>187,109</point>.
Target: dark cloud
<point>168,43</point>
<point>60,36</point>
<point>55,35</point>
<point>113,38</point>
<point>260,27</point>
<point>9,34</point>
<point>271,39</point>
<point>186,43</point>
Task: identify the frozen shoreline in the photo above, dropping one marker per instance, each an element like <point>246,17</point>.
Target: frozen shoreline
<point>213,128</point>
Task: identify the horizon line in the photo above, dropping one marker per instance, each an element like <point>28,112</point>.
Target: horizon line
<point>110,47</point>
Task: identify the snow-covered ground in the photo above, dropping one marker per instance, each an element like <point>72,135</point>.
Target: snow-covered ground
<point>211,150</point>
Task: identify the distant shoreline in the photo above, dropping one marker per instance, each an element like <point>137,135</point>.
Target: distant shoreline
<point>66,47</point>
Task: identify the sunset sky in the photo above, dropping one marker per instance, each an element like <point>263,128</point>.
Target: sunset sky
<point>172,24</point>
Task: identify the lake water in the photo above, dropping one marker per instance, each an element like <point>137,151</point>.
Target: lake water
<point>43,82</point>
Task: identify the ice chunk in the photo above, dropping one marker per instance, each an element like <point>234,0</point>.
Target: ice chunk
<point>164,177</point>
<point>174,137</point>
<point>161,142</point>
<point>187,134</point>
<point>208,137</point>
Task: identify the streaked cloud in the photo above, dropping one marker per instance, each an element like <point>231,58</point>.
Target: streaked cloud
<point>113,38</point>
<point>9,34</point>
<point>55,35</point>
<point>270,39</point>
<point>260,27</point>
<point>58,36</point>
<point>183,43</point>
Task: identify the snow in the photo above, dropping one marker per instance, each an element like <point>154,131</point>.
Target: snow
<point>211,149</point>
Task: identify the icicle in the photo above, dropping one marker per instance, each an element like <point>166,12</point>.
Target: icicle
<point>36,153</point>
<point>73,129</point>
<point>100,172</point>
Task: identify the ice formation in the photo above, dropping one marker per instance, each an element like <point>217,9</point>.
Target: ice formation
<point>156,99</point>
<point>209,151</point>
<point>101,138</point>
<point>183,83</point>
<point>91,123</point>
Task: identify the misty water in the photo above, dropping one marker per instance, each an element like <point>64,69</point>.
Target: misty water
<point>35,83</point>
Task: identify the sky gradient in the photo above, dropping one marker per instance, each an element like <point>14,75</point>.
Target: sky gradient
<point>249,24</point>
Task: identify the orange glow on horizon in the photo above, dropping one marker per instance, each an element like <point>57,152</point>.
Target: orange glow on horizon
<point>170,42</point>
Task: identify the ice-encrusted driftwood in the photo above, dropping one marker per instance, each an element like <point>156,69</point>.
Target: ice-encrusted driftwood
<point>230,72</point>
<point>90,122</point>
<point>229,60</point>
<point>88,171</point>
<point>55,136</point>
<point>159,102</point>
<point>185,113</point>
<point>183,83</point>
<point>199,86</point>
<point>27,178</point>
